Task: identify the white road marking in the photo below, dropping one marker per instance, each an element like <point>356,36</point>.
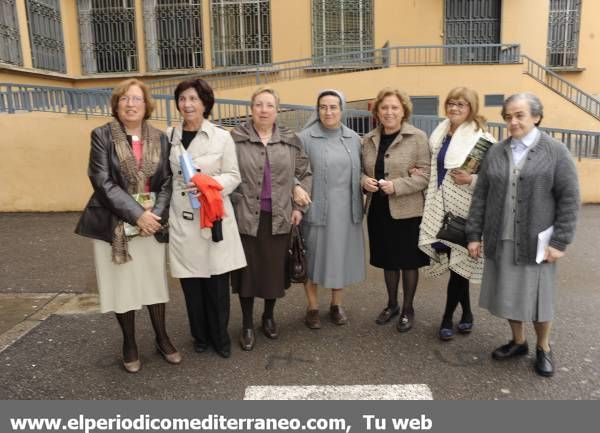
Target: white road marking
<point>342,392</point>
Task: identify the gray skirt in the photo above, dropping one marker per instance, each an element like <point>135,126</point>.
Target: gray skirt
<point>518,292</point>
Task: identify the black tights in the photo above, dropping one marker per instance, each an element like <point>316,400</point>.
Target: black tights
<point>410,279</point>
<point>247,304</point>
<point>127,323</point>
<point>458,292</point>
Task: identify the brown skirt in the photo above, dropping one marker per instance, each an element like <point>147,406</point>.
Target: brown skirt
<point>266,275</point>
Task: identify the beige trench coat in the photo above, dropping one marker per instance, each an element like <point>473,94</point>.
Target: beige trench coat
<point>192,253</point>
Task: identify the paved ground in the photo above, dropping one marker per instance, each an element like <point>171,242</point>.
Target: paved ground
<point>69,351</point>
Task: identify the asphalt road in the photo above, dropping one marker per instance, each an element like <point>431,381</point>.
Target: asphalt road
<point>76,356</point>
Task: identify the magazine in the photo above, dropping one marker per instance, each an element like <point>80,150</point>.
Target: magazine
<point>147,200</point>
<point>473,160</point>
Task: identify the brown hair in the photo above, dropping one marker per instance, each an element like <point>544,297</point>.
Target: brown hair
<point>204,91</point>
<point>268,90</point>
<point>402,97</point>
<point>472,98</point>
<point>122,88</point>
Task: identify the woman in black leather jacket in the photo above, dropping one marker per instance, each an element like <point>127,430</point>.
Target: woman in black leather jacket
<point>130,174</point>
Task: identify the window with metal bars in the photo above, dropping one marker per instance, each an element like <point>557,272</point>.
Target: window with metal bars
<point>563,33</point>
<point>173,34</point>
<point>241,32</point>
<point>107,33</point>
<point>341,27</point>
<point>10,42</point>
<point>46,35</point>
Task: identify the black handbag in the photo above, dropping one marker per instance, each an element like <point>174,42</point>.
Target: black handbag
<point>453,229</point>
<point>296,256</point>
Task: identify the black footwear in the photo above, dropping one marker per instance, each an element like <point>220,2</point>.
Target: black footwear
<point>544,365</point>
<point>225,352</point>
<point>247,339</point>
<point>387,314</point>
<point>269,328</point>
<point>337,315</point>
<point>200,347</point>
<point>405,323</point>
<point>510,350</point>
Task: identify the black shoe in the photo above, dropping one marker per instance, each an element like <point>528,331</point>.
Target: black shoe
<point>510,350</point>
<point>247,339</point>
<point>543,362</point>
<point>225,352</point>
<point>405,323</point>
<point>387,314</point>
<point>200,347</point>
<point>269,328</point>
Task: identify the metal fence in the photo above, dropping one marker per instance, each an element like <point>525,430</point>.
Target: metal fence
<point>417,55</point>
<point>228,113</point>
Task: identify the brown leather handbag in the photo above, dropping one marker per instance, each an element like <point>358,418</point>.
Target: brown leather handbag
<point>296,256</point>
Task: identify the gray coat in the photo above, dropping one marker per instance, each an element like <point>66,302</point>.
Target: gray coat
<point>314,141</point>
<point>548,194</point>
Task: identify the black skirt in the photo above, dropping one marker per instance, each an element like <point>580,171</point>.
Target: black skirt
<point>266,275</point>
<point>393,243</point>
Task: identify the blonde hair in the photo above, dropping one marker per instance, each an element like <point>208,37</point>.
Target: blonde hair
<point>472,98</point>
<point>122,88</point>
<point>268,90</point>
<point>402,97</point>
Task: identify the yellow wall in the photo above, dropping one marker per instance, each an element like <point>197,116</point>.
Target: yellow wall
<point>45,169</point>
<point>408,22</point>
<point>290,35</point>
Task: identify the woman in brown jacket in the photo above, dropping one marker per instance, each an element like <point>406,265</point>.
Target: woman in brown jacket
<point>395,200</point>
<point>271,160</point>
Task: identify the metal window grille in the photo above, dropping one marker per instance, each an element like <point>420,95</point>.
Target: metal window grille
<point>470,22</point>
<point>10,42</point>
<point>107,30</point>
<point>494,100</point>
<point>241,32</point>
<point>173,34</point>
<point>425,105</point>
<point>45,34</point>
<point>341,27</point>
<point>563,32</point>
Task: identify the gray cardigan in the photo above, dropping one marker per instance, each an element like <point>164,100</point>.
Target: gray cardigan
<point>313,140</point>
<point>548,194</point>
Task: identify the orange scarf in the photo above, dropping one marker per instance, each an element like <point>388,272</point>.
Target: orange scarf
<point>211,202</point>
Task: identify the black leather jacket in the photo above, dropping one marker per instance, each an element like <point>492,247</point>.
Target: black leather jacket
<point>110,201</point>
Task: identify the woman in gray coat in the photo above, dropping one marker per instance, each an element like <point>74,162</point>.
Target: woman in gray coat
<point>527,187</point>
<point>332,226</point>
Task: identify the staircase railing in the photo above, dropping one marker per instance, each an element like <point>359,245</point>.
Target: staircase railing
<point>228,113</point>
<point>564,88</point>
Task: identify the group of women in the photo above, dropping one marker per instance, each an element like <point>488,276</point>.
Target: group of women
<point>271,179</point>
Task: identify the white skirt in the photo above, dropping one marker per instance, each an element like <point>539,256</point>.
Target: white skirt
<point>141,281</point>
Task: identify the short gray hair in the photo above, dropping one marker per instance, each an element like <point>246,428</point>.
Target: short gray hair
<point>535,105</point>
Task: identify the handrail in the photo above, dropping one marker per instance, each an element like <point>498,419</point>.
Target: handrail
<point>376,58</point>
<point>230,112</point>
<point>564,88</point>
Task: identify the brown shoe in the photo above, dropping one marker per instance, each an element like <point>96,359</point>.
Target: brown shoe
<point>337,315</point>
<point>312,319</point>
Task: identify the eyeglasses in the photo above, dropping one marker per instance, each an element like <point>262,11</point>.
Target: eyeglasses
<point>332,108</point>
<point>135,100</point>
<point>457,104</point>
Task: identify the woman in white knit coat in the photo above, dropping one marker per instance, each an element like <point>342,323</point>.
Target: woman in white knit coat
<point>450,190</point>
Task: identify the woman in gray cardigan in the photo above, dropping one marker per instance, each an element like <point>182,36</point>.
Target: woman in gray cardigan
<point>527,186</point>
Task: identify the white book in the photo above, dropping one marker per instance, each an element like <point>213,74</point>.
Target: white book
<point>543,241</point>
